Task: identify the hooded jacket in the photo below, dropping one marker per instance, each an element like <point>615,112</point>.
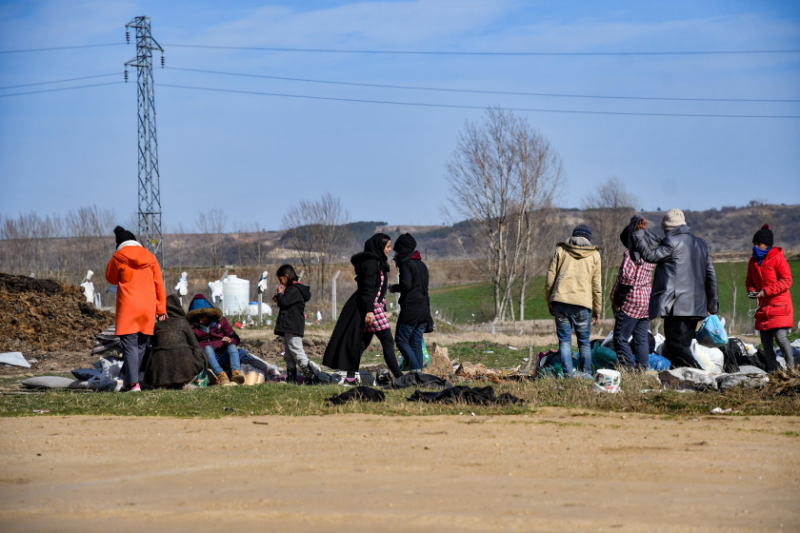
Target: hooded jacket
<point>217,328</point>
<point>368,269</point>
<point>291,313</point>
<point>140,289</point>
<point>574,276</point>
<point>415,307</point>
<point>175,357</point>
<point>685,282</point>
<point>774,277</point>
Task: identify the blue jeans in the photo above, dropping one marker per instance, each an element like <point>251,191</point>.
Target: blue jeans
<point>226,356</point>
<point>408,338</point>
<point>624,327</point>
<point>569,317</point>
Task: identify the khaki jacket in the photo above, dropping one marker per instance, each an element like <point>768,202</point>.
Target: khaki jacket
<point>574,276</point>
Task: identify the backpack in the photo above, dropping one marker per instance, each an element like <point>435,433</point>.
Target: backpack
<point>730,364</point>
<point>739,352</point>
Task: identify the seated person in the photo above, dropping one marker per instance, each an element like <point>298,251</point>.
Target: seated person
<point>217,338</point>
<point>175,355</point>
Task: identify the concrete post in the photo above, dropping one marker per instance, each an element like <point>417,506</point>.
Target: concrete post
<point>333,294</point>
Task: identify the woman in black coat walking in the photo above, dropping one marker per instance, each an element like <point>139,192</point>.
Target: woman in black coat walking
<point>364,314</point>
<point>415,309</point>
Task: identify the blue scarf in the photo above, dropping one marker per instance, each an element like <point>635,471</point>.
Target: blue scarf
<point>759,254</point>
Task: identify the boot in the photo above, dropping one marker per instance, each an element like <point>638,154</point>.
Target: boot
<point>223,379</point>
<point>308,373</point>
<point>237,377</point>
<point>291,375</point>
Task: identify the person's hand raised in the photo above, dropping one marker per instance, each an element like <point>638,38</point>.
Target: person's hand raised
<point>642,224</point>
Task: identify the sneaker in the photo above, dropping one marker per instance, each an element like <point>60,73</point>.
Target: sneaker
<point>135,388</point>
<point>237,377</point>
<point>223,379</point>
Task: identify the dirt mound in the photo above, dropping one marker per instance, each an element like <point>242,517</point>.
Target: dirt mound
<point>44,315</point>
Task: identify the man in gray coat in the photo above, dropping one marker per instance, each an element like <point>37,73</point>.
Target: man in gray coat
<point>684,287</point>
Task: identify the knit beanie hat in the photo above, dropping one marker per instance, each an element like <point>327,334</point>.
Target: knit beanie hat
<point>582,230</point>
<point>672,220</point>
<point>123,235</point>
<point>763,236</point>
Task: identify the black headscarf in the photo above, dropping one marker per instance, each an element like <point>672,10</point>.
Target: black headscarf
<point>404,248</point>
<point>651,238</point>
<point>375,245</point>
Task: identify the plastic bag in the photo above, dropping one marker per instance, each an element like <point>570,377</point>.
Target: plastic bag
<point>712,332</point>
<point>711,360</point>
<point>426,359</point>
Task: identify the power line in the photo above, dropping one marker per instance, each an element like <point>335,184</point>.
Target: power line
<point>62,89</point>
<point>445,53</point>
<point>455,106</point>
<point>59,81</point>
<point>59,48</point>
<point>478,91</point>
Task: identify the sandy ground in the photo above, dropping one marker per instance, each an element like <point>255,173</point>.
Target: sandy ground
<point>550,471</point>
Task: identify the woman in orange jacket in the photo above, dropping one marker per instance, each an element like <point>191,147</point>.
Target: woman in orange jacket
<point>140,299</point>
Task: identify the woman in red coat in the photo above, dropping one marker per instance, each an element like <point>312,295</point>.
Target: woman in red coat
<point>769,276</point>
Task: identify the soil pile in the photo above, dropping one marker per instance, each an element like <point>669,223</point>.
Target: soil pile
<point>44,315</point>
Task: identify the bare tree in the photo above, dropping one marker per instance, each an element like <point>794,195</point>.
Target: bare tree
<point>608,210</point>
<point>251,245</point>
<point>212,225</point>
<point>501,175</point>
<point>316,230</point>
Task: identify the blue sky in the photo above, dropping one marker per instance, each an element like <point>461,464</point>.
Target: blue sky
<point>254,156</point>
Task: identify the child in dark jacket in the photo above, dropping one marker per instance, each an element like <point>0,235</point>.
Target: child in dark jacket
<point>291,299</point>
<point>217,339</point>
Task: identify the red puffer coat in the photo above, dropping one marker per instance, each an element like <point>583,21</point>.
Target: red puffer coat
<point>774,278</point>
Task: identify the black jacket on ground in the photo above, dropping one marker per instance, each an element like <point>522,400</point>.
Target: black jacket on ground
<point>344,349</point>
<point>175,355</point>
<point>685,282</point>
<point>292,308</point>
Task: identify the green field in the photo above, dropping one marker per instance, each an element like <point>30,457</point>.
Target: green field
<point>461,302</point>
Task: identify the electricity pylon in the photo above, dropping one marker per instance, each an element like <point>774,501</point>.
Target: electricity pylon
<point>150,234</point>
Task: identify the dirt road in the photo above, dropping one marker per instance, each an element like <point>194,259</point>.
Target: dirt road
<point>551,471</point>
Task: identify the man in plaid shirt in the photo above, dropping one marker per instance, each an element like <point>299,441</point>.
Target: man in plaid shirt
<point>630,299</point>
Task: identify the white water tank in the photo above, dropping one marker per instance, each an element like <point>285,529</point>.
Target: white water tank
<point>235,296</point>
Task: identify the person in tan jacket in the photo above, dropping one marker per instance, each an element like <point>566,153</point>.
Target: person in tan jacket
<point>574,297</point>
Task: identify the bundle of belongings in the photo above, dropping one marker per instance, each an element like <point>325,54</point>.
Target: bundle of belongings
<point>458,394</point>
<point>449,395</point>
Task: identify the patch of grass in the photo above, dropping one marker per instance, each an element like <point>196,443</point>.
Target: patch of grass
<point>462,301</point>
<point>292,400</point>
<point>501,357</point>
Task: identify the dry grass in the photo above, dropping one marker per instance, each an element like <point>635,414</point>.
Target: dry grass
<point>640,394</point>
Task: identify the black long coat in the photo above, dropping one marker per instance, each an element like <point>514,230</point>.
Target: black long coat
<point>344,349</point>
<point>175,355</point>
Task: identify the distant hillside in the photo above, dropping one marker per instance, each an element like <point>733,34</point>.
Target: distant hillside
<point>728,230</point>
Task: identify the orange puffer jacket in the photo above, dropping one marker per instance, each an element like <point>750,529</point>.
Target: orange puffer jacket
<point>140,289</point>
<point>774,277</point>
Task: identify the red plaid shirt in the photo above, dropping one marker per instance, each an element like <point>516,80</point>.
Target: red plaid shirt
<point>638,277</point>
<point>381,321</point>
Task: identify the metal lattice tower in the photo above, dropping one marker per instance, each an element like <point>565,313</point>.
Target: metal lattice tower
<point>150,234</point>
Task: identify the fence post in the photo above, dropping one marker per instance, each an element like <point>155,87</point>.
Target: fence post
<point>333,294</point>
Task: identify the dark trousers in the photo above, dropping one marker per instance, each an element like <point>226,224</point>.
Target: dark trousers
<point>133,347</point>
<point>679,333</point>
<point>387,344</point>
<point>624,327</point>
<point>408,338</point>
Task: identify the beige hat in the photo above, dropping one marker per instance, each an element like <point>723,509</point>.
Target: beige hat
<point>672,220</point>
